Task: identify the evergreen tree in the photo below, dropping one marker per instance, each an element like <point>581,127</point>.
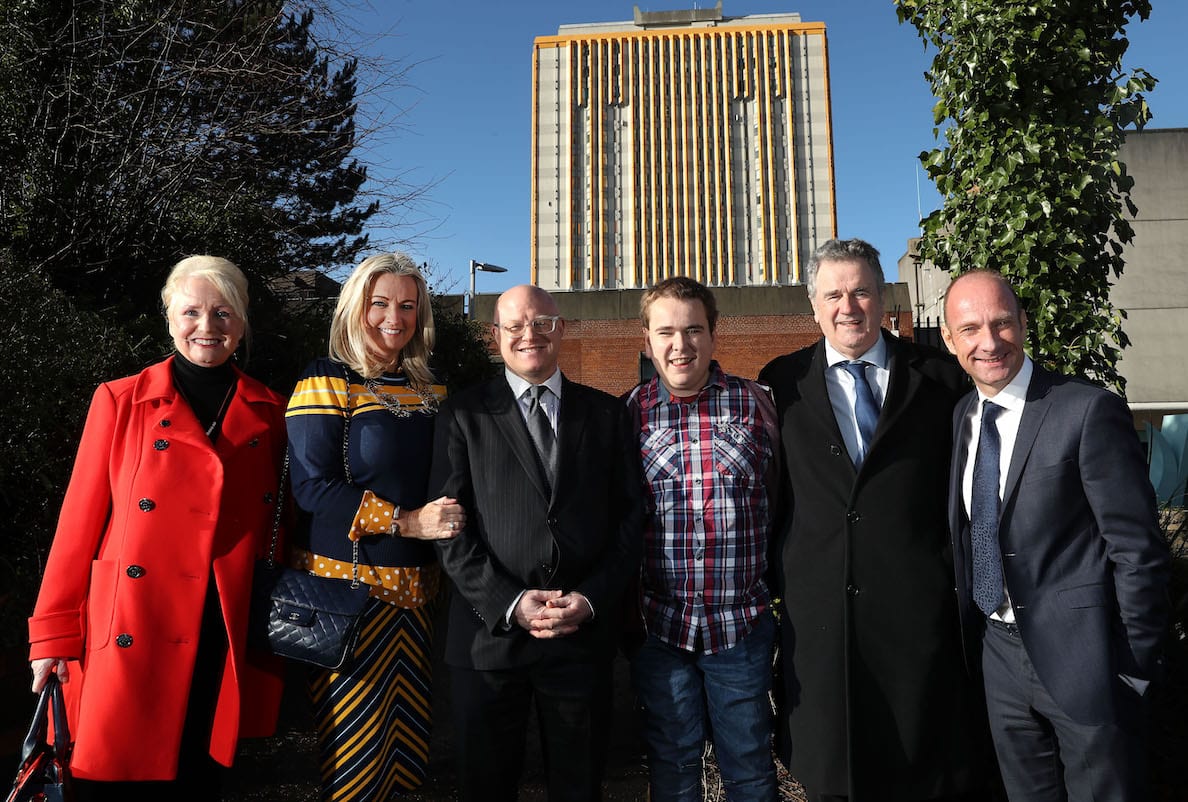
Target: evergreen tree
<point>135,132</point>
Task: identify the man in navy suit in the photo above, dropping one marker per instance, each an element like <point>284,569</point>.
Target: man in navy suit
<point>548,472</point>
<point>1061,570</point>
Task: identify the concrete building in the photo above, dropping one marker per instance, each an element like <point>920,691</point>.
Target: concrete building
<point>680,142</point>
<point>1153,288</point>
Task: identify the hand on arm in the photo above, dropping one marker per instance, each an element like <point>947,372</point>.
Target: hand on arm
<point>440,519</point>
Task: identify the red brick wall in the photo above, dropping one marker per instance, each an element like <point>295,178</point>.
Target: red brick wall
<point>605,353</point>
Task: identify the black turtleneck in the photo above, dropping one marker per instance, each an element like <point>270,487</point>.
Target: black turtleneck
<point>207,390</point>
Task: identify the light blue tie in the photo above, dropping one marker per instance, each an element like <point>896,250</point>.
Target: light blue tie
<point>866,409</point>
<point>983,515</point>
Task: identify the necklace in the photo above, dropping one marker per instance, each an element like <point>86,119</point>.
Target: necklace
<point>218,418</point>
<point>428,405</point>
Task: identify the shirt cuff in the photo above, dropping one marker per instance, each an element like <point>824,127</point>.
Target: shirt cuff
<point>509,616</point>
<point>374,516</point>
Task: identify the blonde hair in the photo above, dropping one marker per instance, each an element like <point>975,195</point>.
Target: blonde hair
<point>226,277</point>
<point>348,337</point>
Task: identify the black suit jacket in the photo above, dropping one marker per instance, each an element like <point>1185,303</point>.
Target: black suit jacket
<point>584,535</point>
<point>1083,558</point>
<point>878,705</point>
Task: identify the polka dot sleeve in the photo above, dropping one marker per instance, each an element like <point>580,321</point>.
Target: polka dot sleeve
<point>406,587</point>
<point>374,516</point>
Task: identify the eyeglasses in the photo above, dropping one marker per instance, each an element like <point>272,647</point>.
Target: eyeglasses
<point>541,325</point>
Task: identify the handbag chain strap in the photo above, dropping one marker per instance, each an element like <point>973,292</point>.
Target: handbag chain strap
<point>346,467</point>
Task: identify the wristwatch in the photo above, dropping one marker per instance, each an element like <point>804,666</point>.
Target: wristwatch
<point>394,528</point>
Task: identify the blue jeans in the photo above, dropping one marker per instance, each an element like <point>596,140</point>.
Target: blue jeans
<point>681,691</point>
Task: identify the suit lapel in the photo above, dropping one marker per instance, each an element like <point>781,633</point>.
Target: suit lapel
<point>505,411</point>
<point>571,426</point>
<point>902,385</point>
<point>957,470</point>
<point>816,394</point>
<point>1034,412</point>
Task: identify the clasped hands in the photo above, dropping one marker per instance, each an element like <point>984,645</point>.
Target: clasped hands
<point>552,613</point>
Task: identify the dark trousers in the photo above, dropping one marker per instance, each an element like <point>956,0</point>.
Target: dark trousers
<point>491,709</point>
<point>1044,755</point>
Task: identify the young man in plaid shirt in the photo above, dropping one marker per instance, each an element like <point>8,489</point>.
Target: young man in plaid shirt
<point>708,443</point>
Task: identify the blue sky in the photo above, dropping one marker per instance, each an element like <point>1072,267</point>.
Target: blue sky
<point>465,116</point>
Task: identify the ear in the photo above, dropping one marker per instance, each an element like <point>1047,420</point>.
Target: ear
<point>947,336</point>
<point>647,344</point>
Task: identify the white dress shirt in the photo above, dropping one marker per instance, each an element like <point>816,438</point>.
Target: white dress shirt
<point>1012,399</point>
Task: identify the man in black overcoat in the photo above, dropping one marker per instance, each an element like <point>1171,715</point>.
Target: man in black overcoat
<point>878,705</point>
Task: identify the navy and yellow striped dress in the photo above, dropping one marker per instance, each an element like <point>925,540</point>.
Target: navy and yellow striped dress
<point>373,717</point>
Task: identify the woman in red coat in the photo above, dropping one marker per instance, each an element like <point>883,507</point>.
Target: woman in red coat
<point>144,604</point>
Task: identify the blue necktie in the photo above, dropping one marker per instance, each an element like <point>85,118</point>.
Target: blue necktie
<point>983,515</point>
<point>866,409</point>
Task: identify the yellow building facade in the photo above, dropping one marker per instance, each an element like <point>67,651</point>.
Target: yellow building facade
<point>680,143</point>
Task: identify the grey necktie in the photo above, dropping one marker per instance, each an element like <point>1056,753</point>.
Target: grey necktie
<point>866,409</point>
<point>542,431</point>
<point>983,515</point>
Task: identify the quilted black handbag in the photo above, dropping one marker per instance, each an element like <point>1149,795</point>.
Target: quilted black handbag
<point>44,774</point>
<point>312,619</point>
<point>299,615</point>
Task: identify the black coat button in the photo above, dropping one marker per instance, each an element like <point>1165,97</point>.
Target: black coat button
<point>135,571</point>
<point>853,517</point>
<point>160,445</point>
<point>835,450</point>
<point>267,498</point>
<point>146,505</point>
<point>166,423</point>
<point>255,441</point>
<point>123,640</point>
<point>853,590</point>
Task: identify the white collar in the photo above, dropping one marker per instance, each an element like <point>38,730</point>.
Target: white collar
<point>876,355</point>
<point>1014,395</point>
<point>519,385</point>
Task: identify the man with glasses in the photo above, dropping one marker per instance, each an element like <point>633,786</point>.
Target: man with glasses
<point>549,476</point>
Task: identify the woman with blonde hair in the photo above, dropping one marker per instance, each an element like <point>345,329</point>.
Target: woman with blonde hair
<point>144,604</point>
<point>361,432</point>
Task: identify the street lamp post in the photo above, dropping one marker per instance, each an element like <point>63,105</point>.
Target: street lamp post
<point>475,267</point>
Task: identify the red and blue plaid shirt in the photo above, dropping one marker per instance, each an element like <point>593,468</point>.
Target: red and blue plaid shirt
<point>708,462</point>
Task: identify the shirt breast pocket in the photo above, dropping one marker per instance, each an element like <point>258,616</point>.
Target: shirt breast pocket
<point>660,452</point>
<point>737,451</point>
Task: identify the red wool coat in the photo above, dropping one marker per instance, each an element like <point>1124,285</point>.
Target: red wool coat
<point>151,508</point>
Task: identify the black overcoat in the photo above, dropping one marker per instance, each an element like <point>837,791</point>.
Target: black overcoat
<point>877,702</point>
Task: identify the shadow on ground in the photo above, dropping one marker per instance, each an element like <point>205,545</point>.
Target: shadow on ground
<point>285,767</point>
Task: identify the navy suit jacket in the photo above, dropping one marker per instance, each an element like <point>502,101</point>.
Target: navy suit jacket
<point>584,534</point>
<point>1083,557</point>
